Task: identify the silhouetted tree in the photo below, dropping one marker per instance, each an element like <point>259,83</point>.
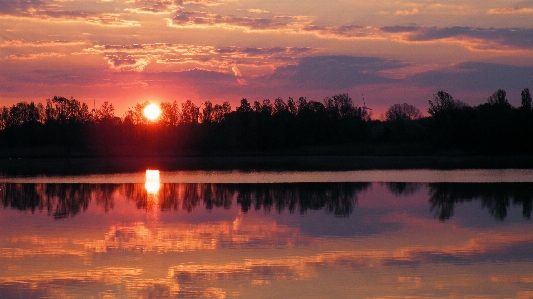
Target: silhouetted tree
<point>499,99</point>
<point>266,107</point>
<point>69,110</point>
<point>403,112</point>
<point>4,118</point>
<point>207,112</point>
<point>442,102</point>
<point>220,112</point>
<point>137,114</point>
<point>526,99</point>
<point>189,113</point>
<point>105,112</point>
<point>291,106</point>
<point>279,106</point>
<point>170,114</point>
<point>244,107</point>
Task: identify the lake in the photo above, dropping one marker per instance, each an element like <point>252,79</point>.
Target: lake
<point>235,234</point>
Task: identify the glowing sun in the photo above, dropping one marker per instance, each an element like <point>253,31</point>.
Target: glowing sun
<point>152,111</point>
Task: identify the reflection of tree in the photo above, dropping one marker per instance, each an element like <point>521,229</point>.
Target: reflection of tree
<point>405,189</point>
<point>21,196</point>
<point>67,200</point>
<point>339,199</point>
<point>335,198</point>
<point>136,193</point>
<point>496,197</point>
<point>59,200</point>
<point>104,196</point>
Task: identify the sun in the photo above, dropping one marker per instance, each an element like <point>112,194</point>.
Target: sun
<point>152,112</point>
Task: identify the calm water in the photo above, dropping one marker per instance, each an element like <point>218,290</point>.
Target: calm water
<point>366,234</point>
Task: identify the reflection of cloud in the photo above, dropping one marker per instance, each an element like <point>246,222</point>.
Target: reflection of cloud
<point>208,236</point>
<point>512,279</point>
<point>482,249</point>
<point>251,270</point>
<point>53,283</point>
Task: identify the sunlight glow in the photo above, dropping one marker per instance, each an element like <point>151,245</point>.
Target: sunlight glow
<point>152,184</point>
<point>152,112</point>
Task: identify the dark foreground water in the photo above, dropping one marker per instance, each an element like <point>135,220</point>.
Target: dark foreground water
<point>428,234</point>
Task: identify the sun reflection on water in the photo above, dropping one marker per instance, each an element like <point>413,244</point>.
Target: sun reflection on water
<point>152,183</point>
<point>152,186</point>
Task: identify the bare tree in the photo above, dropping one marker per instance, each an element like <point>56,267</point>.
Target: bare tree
<point>403,112</point>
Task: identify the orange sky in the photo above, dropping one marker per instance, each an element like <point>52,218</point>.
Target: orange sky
<point>130,51</point>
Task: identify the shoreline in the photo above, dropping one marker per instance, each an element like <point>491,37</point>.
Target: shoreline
<point>85,165</point>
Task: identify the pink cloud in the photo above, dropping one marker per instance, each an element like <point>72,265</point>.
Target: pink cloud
<point>19,56</point>
<point>414,11</point>
<point>510,11</point>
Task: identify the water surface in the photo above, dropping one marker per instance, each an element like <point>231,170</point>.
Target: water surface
<point>421,234</point>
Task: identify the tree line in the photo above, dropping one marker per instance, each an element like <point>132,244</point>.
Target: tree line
<point>335,125</point>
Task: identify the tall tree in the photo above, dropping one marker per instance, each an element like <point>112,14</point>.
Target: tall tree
<point>279,106</point>
<point>526,99</point>
<point>208,112</point>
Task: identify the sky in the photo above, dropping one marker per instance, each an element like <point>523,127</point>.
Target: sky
<point>379,52</point>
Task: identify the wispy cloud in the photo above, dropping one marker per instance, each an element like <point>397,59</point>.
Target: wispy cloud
<point>343,32</point>
<point>20,56</point>
<point>477,39</point>
<point>37,9</point>
<point>199,19</point>
<point>39,44</point>
<point>136,57</point>
<point>414,11</point>
<point>167,6</point>
<point>336,72</point>
<point>510,11</point>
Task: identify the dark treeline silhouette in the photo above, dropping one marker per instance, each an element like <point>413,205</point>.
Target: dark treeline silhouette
<point>68,200</point>
<point>64,127</point>
<point>495,197</point>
